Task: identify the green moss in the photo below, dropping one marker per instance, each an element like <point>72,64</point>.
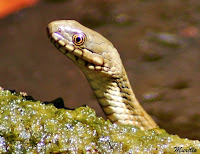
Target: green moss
<point>33,127</point>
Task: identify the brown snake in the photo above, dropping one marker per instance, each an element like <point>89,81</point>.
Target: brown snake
<point>102,66</point>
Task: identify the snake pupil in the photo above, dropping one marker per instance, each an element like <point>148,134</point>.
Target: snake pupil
<point>78,39</point>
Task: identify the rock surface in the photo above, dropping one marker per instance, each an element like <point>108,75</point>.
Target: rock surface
<point>29,126</point>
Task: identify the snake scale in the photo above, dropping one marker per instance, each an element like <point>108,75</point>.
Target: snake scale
<point>100,62</point>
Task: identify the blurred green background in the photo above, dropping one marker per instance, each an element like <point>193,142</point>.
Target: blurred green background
<point>159,43</point>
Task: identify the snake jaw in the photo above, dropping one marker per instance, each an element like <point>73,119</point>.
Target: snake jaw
<point>92,60</point>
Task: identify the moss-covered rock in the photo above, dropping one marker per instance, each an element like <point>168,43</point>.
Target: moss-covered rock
<point>33,127</point>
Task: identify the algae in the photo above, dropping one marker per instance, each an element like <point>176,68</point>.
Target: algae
<point>28,126</point>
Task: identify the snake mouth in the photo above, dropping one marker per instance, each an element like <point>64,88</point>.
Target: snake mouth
<point>77,54</point>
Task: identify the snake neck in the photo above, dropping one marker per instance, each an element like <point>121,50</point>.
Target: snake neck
<point>118,101</point>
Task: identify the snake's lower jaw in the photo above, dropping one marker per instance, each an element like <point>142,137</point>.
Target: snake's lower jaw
<point>77,57</point>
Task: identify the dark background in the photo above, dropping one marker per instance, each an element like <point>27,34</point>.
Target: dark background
<point>158,42</point>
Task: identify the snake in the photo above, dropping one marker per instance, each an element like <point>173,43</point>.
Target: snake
<point>100,62</point>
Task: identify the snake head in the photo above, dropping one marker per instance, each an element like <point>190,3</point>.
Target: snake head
<point>86,48</point>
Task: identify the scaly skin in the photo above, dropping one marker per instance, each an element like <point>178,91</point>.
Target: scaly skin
<point>102,66</point>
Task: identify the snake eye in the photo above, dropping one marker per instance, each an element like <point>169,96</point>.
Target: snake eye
<point>79,39</point>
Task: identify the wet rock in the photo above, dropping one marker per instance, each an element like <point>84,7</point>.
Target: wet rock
<point>33,127</point>
<point>148,51</point>
<point>180,84</point>
<point>152,96</point>
<point>123,19</point>
<point>165,39</point>
<point>189,32</point>
<point>152,55</point>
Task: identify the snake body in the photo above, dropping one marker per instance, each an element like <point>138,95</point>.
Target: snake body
<point>103,68</point>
